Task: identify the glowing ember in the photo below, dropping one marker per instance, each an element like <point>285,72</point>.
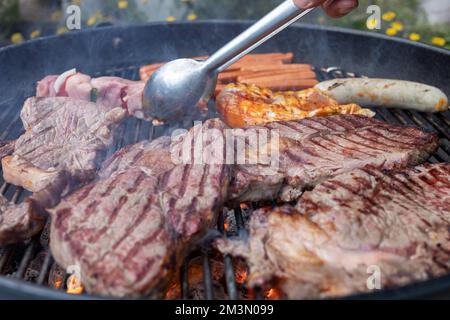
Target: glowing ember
<point>273,294</point>
<point>74,285</point>
<point>226,225</point>
<point>157,122</point>
<point>243,206</point>
<point>57,284</point>
<point>241,277</point>
<point>174,291</point>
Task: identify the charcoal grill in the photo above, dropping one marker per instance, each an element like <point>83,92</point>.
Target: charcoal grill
<point>25,268</point>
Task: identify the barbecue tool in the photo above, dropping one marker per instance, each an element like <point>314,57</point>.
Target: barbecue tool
<point>182,85</point>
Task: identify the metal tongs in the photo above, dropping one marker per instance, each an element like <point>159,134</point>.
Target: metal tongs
<point>182,86</point>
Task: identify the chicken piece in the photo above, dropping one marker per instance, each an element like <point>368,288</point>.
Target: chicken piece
<point>242,105</point>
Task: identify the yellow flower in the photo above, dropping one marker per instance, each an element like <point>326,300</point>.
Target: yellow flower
<point>372,23</point>
<point>192,17</point>
<point>61,30</point>
<point>397,25</point>
<point>389,16</point>
<point>91,21</point>
<point>171,19</point>
<point>414,36</point>
<point>56,15</point>
<point>17,38</point>
<point>438,41</point>
<point>122,4</point>
<point>35,34</point>
<point>391,31</point>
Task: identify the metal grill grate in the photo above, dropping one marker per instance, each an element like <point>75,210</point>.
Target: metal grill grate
<point>32,261</point>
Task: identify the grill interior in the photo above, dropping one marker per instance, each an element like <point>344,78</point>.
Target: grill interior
<point>32,261</point>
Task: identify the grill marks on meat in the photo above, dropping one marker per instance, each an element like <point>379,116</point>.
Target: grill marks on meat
<point>65,139</point>
<point>315,149</point>
<point>388,212</point>
<point>154,156</point>
<point>19,222</point>
<point>397,221</point>
<point>109,91</point>
<point>120,241</point>
<point>130,230</point>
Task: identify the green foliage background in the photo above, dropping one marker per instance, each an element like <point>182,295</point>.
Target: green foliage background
<point>409,14</point>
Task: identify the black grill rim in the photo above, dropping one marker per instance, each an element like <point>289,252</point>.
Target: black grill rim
<point>244,23</point>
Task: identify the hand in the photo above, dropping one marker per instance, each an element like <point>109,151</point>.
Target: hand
<point>334,8</point>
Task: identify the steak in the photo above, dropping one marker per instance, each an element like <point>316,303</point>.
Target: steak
<point>129,231</point>
<point>65,140</point>
<point>19,222</point>
<point>348,227</point>
<point>387,212</point>
<point>109,91</point>
<point>154,156</point>
<point>315,149</point>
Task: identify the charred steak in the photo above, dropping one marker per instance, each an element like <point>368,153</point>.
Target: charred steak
<point>312,150</point>
<point>64,139</point>
<point>19,222</point>
<point>129,231</point>
<point>397,223</point>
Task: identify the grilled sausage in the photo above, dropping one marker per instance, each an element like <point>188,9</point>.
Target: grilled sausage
<point>386,93</point>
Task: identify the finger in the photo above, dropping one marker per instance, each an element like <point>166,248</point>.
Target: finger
<point>339,8</point>
<point>306,4</point>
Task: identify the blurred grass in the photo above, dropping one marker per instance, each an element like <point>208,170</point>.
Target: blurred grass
<point>410,20</point>
<point>408,14</point>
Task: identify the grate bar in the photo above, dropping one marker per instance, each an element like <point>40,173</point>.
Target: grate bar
<point>207,278</point>
<point>229,278</point>
<point>45,268</point>
<point>151,132</point>
<point>138,131</point>
<point>184,279</point>
<point>242,231</point>
<point>6,255</point>
<point>30,250</point>
<point>4,188</point>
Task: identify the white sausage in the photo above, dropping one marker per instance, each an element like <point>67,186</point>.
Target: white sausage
<point>386,93</point>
